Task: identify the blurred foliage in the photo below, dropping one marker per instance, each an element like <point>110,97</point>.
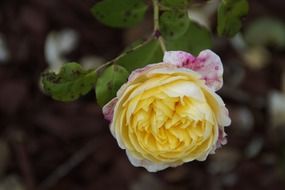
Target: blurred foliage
<point>180,33</point>
<point>229,14</point>
<point>195,39</point>
<point>266,32</point>
<point>175,3</point>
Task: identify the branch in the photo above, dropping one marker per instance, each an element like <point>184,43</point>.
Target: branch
<point>156,29</point>
<point>156,35</point>
<point>123,54</point>
<point>70,164</point>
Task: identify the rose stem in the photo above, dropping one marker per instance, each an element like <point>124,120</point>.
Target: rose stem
<point>156,29</point>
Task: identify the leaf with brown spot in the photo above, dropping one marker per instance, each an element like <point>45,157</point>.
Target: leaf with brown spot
<point>119,13</point>
<point>69,84</point>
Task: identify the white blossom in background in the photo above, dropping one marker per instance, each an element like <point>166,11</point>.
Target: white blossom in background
<point>277,108</point>
<point>91,61</point>
<point>202,14</point>
<point>57,45</point>
<point>4,53</point>
<point>255,57</point>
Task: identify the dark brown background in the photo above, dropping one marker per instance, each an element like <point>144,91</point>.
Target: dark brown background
<point>51,145</point>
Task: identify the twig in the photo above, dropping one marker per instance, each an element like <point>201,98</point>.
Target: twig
<point>70,164</point>
<point>156,35</point>
<point>156,29</point>
<point>113,61</point>
<point>23,160</point>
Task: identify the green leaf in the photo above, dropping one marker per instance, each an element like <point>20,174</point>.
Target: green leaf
<point>174,24</point>
<point>109,82</point>
<point>175,3</point>
<point>194,40</point>
<point>181,33</point>
<point>229,14</point>
<point>147,54</point>
<point>119,13</point>
<point>69,84</point>
<point>266,32</point>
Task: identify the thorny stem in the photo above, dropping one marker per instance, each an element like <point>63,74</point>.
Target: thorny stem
<point>156,29</point>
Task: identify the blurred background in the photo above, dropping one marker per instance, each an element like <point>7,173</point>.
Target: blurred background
<point>49,145</point>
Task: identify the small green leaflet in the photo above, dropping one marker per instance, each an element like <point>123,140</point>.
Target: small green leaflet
<point>119,13</point>
<point>109,82</point>
<point>180,33</point>
<point>229,14</point>
<point>147,54</point>
<point>273,33</point>
<point>194,40</point>
<point>69,84</point>
<point>173,24</point>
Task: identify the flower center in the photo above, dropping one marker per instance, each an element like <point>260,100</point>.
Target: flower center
<point>164,122</point>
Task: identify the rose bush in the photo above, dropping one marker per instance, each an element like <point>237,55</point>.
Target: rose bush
<point>168,113</point>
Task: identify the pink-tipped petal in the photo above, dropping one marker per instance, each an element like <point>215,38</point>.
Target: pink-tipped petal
<point>179,58</point>
<point>108,109</point>
<point>222,139</point>
<point>212,70</point>
<point>207,64</point>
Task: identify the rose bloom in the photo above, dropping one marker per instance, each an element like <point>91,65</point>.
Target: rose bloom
<point>168,113</point>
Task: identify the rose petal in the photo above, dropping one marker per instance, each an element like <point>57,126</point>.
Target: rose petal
<point>222,139</point>
<point>180,59</point>
<point>136,73</point>
<point>218,106</point>
<point>203,157</point>
<point>108,109</point>
<point>148,165</point>
<point>207,64</point>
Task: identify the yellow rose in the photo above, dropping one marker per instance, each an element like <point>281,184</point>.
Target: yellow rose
<point>168,113</point>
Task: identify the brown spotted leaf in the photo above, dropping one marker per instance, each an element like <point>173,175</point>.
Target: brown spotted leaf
<point>119,13</point>
<point>174,24</point>
<point>70,83</point>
